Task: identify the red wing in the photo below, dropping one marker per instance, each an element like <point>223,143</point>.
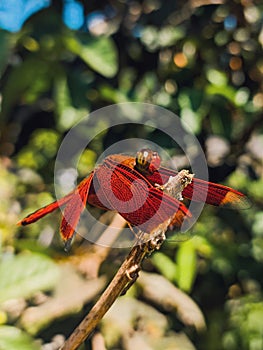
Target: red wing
<point>136,200</point>
<point>40,213</point>
<point>203,191</point>
<point>75,203</point>
<point>218,195</point>
<point>73,210</point>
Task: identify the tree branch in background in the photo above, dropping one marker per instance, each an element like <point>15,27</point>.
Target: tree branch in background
<point>88,258</point>
<point>189,8</point>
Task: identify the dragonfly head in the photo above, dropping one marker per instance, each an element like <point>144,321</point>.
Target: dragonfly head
<point>147,161</point>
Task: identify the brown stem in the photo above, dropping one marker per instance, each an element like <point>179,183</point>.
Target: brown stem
<point>127,273</point>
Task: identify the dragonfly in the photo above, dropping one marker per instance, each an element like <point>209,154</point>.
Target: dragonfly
<point>134,187</point>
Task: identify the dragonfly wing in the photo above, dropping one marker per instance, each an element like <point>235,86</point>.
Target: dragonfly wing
<point>158,208</point>
<point>73,210</point>
<point>40,213</point>
<point>136,200</point>
<point>203,191</point>
<point>216,194</point>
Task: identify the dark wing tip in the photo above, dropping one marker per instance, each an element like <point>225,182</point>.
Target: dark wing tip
<point>67,244</point>
<point>236,200</point>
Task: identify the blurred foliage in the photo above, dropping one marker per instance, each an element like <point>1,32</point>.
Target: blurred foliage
<point>14,338</point>
<point>23,275</point>
<point>201,61</point>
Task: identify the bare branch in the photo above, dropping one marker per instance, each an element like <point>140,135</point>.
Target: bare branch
<point>129,270</point>
<point>189,8</point>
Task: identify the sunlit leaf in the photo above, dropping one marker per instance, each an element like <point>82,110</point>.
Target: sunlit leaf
<point>246,322</point>
<point>191,119</point>
<point>226,91</point>
<point>186,265</point>
<point>192,110</point>
<point>13,338</point>
<point>112,95</point>
<point>45,141</point>
<point>67,114</point>
<point>169,35</point>
<point>23,275</point>
<point>99,53</point>
<point>154,38</point>
<point>42,146</point>
<point>165,265</point>
<point>86,162</point>
<point>29,158</point>
<point>216,77</point>
<point>26,81</point>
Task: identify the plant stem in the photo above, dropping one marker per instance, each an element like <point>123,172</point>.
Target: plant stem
<point>125,277</point>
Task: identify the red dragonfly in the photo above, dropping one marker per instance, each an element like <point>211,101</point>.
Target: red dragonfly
<point>132,187</point>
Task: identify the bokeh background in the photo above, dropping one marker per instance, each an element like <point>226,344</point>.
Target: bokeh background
<point>61,60</point>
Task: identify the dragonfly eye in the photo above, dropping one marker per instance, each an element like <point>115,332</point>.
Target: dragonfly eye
<point>147,161</point>
<point>155,162</point>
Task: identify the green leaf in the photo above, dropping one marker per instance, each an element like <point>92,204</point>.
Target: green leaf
<point>186,265</point>
<point>192,108</point>
<point>86,162</point>
<point>165,265</point>
<point>26,82</point>
<point>5,44</point>
<point>220,119</point>
<point>23,275</point>
<point>67,114</point>
<point>99,53</point>
<point>112,95</point>
<point>216,77</point>
<point>226,91</point>
<point>153,37</point>
<point>191,120</point>
<point>169,35</point>
<point>13,338</point>
<point>42,146</point>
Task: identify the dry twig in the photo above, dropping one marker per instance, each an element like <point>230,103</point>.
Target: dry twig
<point>128,272</point>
